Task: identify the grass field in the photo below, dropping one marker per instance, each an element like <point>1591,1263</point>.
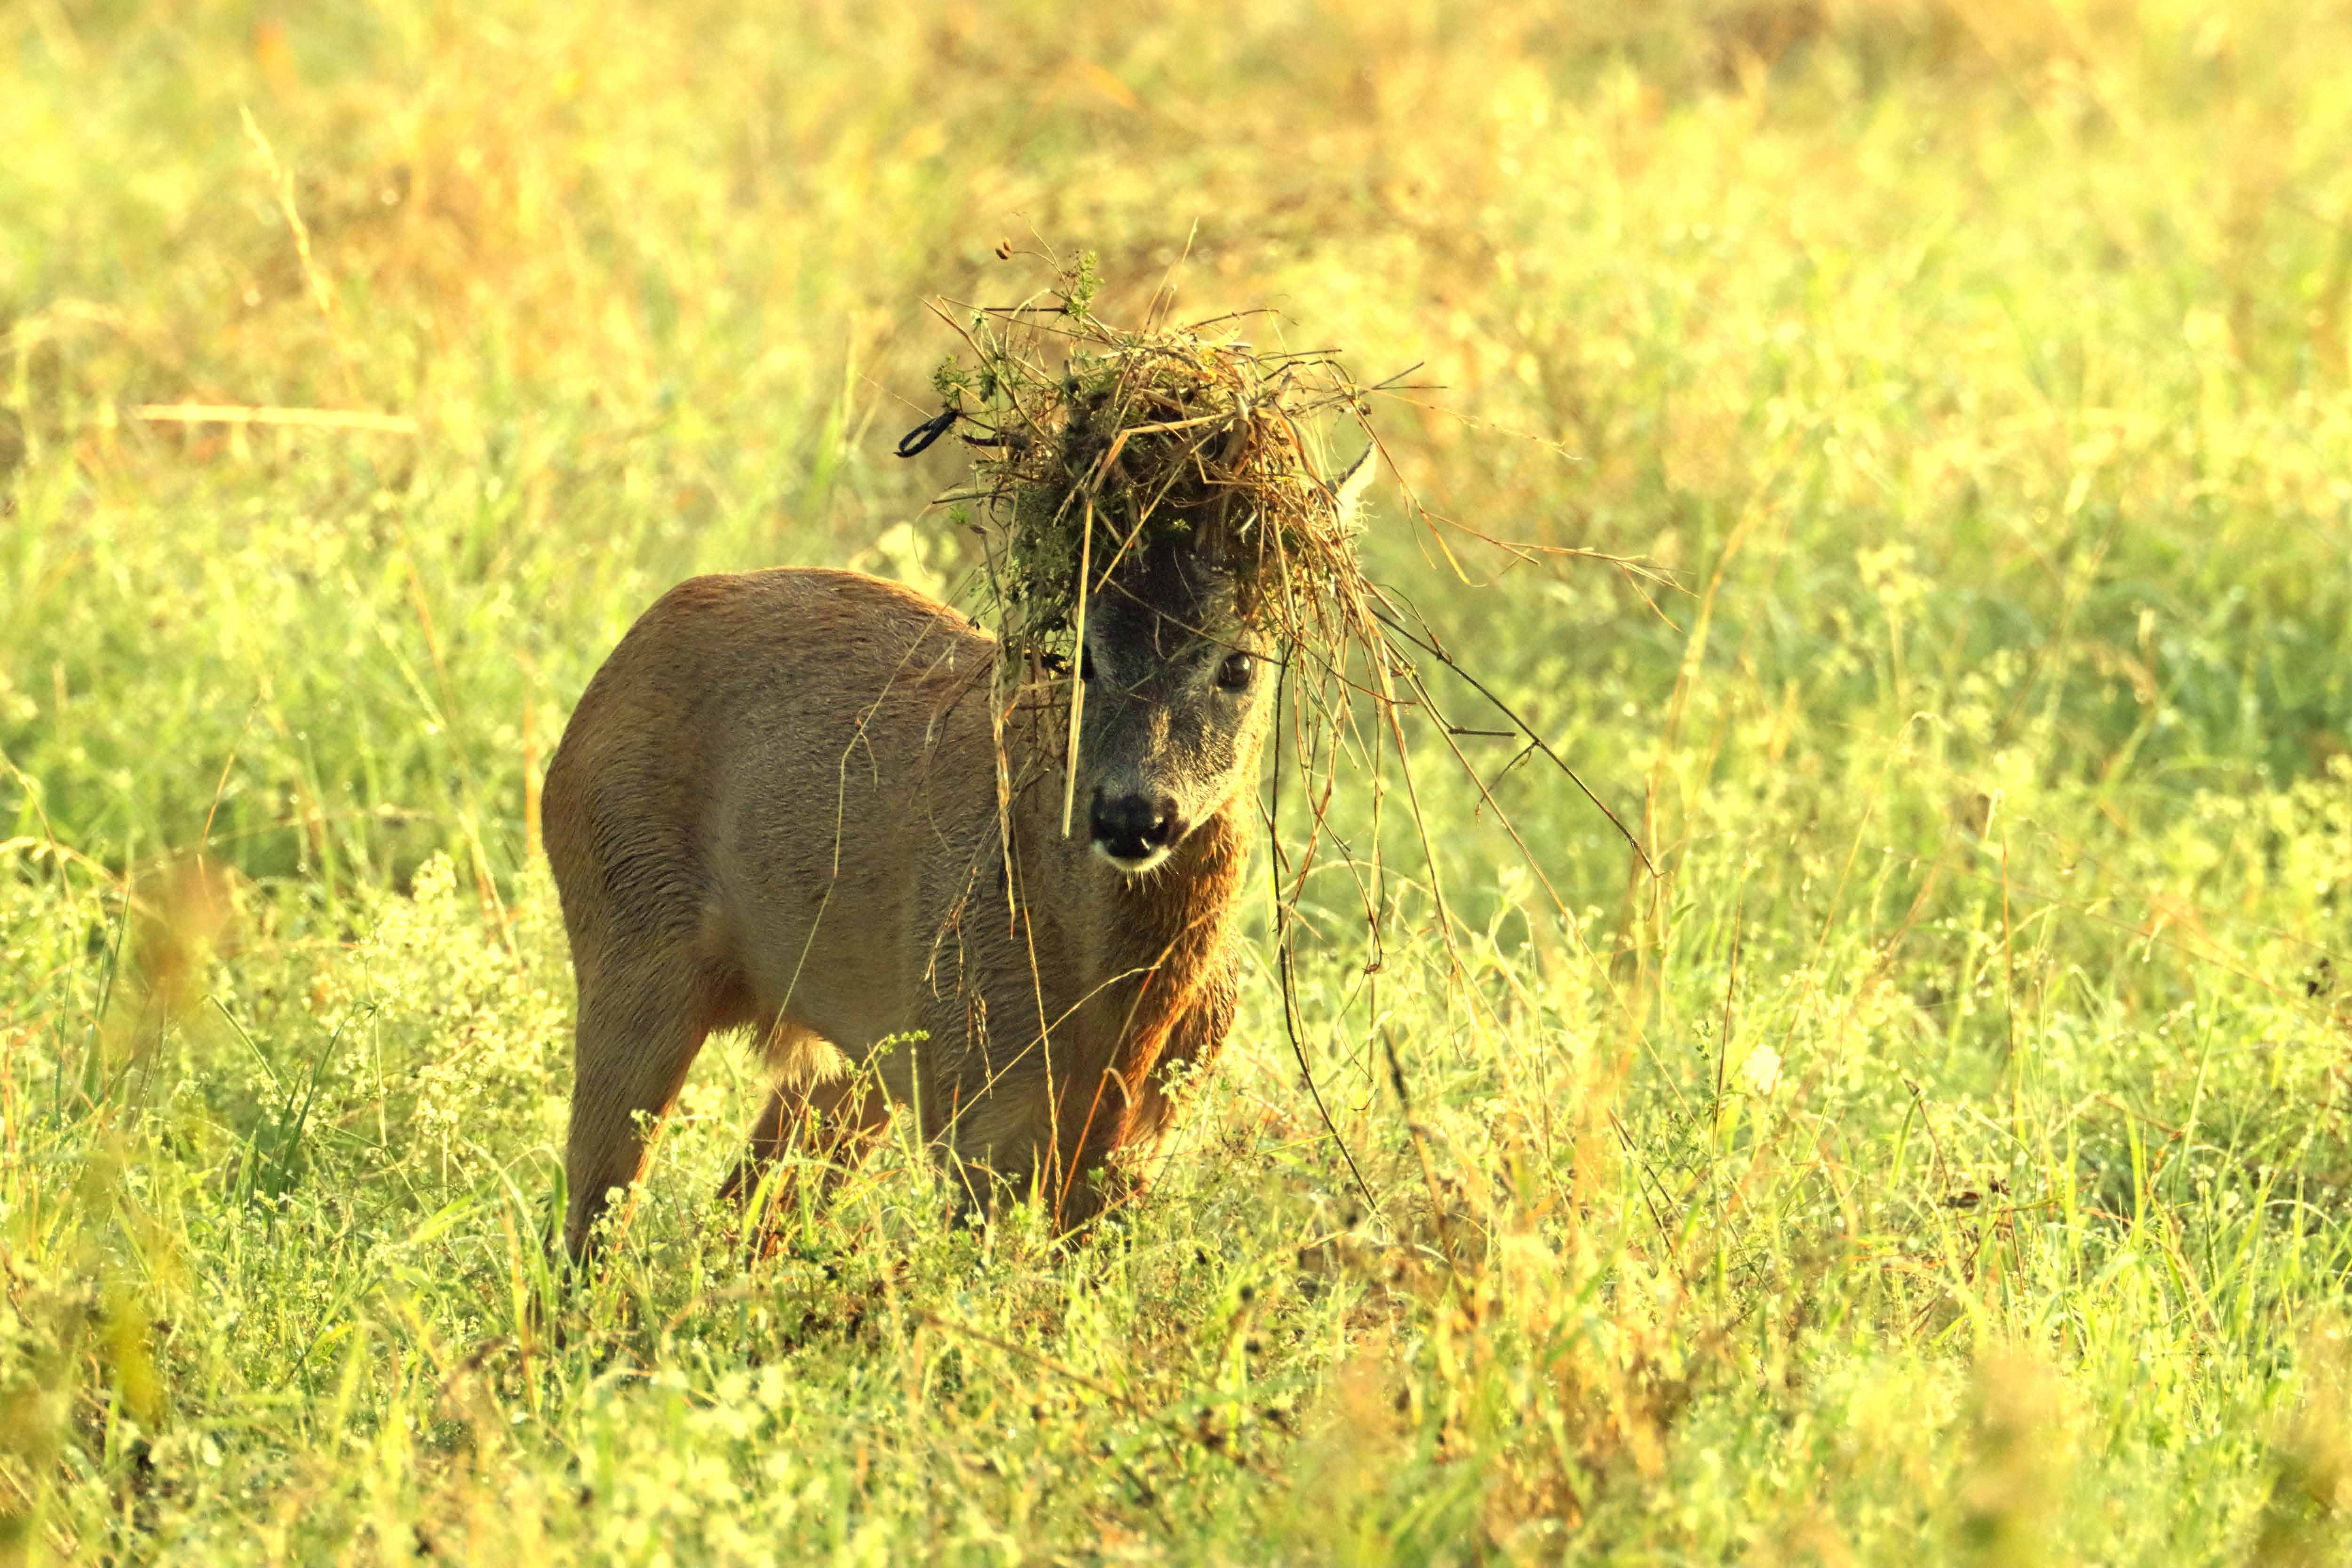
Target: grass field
<point>1945,1157</point>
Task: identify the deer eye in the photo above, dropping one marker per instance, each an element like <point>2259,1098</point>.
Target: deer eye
<point>1234,674</point>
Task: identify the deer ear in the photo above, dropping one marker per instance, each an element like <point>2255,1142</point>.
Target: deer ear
<point>1348,489</point>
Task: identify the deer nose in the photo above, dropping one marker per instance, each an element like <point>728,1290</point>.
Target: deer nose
<point>1134,827</point>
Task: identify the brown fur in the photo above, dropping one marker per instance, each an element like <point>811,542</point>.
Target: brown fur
<point>777,806</point>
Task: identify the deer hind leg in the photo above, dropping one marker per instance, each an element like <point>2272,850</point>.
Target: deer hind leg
<point>641,1025</point>
<point>814,1108</point>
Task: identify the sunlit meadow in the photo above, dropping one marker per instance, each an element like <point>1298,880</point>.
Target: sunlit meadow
<point>1939,1155</point>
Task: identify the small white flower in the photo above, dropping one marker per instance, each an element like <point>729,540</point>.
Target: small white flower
<point>1762,1071</point>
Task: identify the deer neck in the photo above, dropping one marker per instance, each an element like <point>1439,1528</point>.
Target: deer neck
<point>1174,918</point>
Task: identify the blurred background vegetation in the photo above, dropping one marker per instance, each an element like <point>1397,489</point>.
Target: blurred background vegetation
<point>1975,369</point>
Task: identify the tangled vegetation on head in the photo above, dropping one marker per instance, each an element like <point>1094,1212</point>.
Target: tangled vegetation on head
<point>1093,445</point>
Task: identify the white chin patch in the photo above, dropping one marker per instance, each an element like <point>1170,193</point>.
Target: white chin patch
<point>1133,868</point>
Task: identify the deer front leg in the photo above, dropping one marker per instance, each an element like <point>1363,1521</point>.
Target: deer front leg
<point>1194,1041</point>
<point>837,1120</point>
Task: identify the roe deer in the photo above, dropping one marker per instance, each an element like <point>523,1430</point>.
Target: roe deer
<point>779,803</point>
